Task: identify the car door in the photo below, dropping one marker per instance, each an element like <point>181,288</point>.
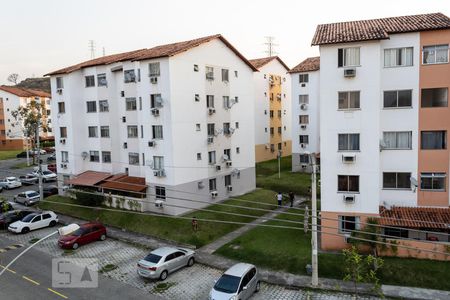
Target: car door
<point>251,285</point>
<point>20,198</point>
<point>179,260</point>
<point>169,262</point>
<point>46,219</point>
<point>243,293</point>
<point>36,222</point>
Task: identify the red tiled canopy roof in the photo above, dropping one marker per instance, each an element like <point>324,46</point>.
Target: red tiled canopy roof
<point>89,178</point>
<point>260,62</point>
<point>377,29</point>
<point>308,65</point>
<point>23,92</point>
<point>123,182</point>
<point>415,217</point>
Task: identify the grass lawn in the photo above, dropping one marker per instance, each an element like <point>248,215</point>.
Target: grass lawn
<point>179,230</point>
<point>290,250</point>
<point>8,154</point>
<point>267,177</point>
<point>22,165</point>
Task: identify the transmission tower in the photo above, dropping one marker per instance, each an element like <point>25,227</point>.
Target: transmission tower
<point>92,48</point>
<point>270,44</point>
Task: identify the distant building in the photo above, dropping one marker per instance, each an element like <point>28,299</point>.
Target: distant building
<point>305,113</point>
<point>272,108</point>
<point>167,124</point>
<point>11,98</point>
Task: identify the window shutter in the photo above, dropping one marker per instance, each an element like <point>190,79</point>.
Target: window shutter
<point>340,57</point>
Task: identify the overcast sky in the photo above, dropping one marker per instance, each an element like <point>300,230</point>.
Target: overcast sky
<point>38,36</point>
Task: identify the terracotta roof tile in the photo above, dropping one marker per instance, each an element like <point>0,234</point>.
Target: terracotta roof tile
<point>260,62</point>
<point>416,217</point>
<point>155,52</point>
<point>124,182</point>
<point>308,65</point>
<point>23,92</point>
<point>89,178</point>
<point>377,29</point>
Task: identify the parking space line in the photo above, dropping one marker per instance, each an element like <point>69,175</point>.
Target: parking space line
<point>30,280</point>
<point>59,294</point>
<point>14,272</point>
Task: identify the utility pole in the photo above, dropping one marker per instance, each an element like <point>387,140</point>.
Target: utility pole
<point>314,258</point>
<point>279,163</point>
<point>38,146</point>
<point>270,43</point>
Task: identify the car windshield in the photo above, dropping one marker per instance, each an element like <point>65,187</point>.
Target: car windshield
<point>47,173</point>
<point>227,284</point>
<point>28,218</point>
<point>33,194</point>
<point>78,232</point>
<point>153,258</point>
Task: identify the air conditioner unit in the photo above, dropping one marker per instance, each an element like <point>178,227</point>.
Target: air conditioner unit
<point>59,91</point>
<point>303,106</point>
<point>229,163</point>
<point>229,188</point>
<point>122,93</point>
<point>159,173</point>
<point>302,145</point>
<point>158,101</point>
<point>125,145</point>
<point>347,238</point>
<point>211,111</point>
<point>62,141</point>
<point>304,166</point>
<point>218,168</point>
<point>159,203</point>
<point>303,84</point>
<point>124,119</point>
<point>155,112</point>
<point>64,166</point>
<point>349,198</point>
<point>214,194</point>
<point>303,126</point>
<point>348,158</point>
<point>350,72</point>
<point>154,80</point>
<point>231,130</point>
<point>151,143</point>
<point>210,139</point>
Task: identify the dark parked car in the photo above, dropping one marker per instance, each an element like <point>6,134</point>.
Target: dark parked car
<point>87,233</point>
<point>50,190</point>
<point>22,154</point>
<point>12,216</point>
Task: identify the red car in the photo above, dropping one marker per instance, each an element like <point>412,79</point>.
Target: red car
<point>88,232</point>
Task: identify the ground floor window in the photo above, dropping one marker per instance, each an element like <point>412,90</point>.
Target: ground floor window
<point>160,193</point>
<point>432,181</point>
<point>395,232</point>
<point>212,184</point>
<point>348,223</point>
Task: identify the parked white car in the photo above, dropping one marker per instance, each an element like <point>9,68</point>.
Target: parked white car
<point>10,183</point>
<point>27,198</point>
<point>240,281</point>
<point>35,152</point>
<point>46,175</point>
<point>34,221</point>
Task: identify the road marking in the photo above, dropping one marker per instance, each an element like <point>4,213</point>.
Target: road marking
<point>30,280</point>
<point>11,247</point>
<point>59,294</point>
<point>14,272</point>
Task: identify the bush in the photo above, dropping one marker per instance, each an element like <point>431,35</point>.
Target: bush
<point>48,144</point>
<point>88,199</point>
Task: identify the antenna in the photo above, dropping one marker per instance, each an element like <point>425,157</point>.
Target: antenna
<point>91,46</point>
<point>270,43</point>
<point>104,52</point>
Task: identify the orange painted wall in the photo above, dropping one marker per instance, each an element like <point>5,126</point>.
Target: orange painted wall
<point>434,76</point>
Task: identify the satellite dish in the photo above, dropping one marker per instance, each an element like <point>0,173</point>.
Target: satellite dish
<point>84,154</point>
<point>382,145</point>
<point>387,205</point>
<point>414,181</point>
<point>225,157</point>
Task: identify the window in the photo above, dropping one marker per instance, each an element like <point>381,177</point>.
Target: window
<point>392,180</point>
<point>271,113</point>
<point>212,184</point>
<point>398,57</point>
<point>226,128</point>
<point>435,97</point>
<point>155,100</point>
<point>279,113</point>
<point>210,101</point>
<point>132,131</point>
<point>432,181</point>
<point>433,140</point>
<point>61,107</point>
<point>94,156</point>
<point>435,54</point>
<point>106,156</point>
<point>197,127</point>
<point>133,158</point>
<point>348,183</point>
<point>142,131</point>
<point>160,192</point>
<point>129,76</point>
<point>303,139</point>
<point>303,99</point>
<point>212,157</point>
<point>279,130</point>
<point>103,106</point>
<point>303,119</point>
<point>397,140</point>
<point>272,131</point>
<point>304,158</point>
<point>48,112</point>
<point>227,180</point>
<point>91,106</point>
<point>157,132</point>
<point>104,131</point>
<point>64,156</point>
<point>236,124</point>
<point>225,75</point>
<point>279,147</point>
<point>90,80</point>
<point>197,98</point>
<point>211,129</point>
<point>348,223</point>
<point>238,150</point>
<point>59,83</point>
<point>130,104</point>
<point>140,103</point>
<point>92,131</point>
<point>154,69</point>
<point>158,162</point>
<point>195,68</point>
<point>402,98</point>
<point>348,57</point>
<point>348,142</point>
<point>303,78</point>
<point>63,132</point>
<point>236,74</point>
<point>226,102</point>
<point>395,232</point>
<point>101,80</point>
<point>227,153</point>
<point>349,100</point>
<point>199,156</point>
<point>209,73</point>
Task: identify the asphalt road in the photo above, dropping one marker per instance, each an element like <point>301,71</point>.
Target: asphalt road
<point>30,277</point>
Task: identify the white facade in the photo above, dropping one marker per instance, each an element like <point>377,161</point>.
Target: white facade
<point>184,116</point>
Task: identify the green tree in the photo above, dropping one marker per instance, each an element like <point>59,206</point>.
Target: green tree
<point>370,236</point>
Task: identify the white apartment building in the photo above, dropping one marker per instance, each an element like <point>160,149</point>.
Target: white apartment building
<point>172,124</point>
<point>383,125</point>
<point>272,108</point>
<point>11,98</point>
<point>305,113</point>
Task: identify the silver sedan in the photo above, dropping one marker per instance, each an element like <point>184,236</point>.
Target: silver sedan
<point>162,261</point>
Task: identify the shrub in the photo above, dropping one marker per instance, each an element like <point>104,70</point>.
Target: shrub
<point>89,199</point>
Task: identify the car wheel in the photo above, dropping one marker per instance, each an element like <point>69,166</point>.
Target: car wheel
<point>52,223</point>
<point>191,262</point>
<point>163,275</point>
<point>26,203</point>
<point>75,246</point>
<point>25,230</point>
<point>258,286</point>
<point>103,237</point>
